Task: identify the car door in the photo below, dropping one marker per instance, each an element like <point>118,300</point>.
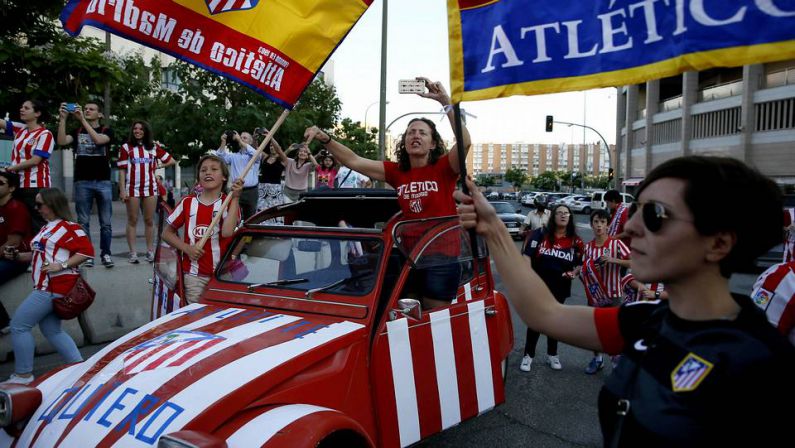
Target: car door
<point>434,372</point>
<point>166,280</point>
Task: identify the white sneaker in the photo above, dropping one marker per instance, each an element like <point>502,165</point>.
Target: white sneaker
<point>16,379</point>
<point>107,261</point>
<point>527,362</point>
<point>554,362</point>
<point>133,258</point>
<point>150,257</point>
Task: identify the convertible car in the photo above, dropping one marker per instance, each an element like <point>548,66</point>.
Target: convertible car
<point>306,336</point>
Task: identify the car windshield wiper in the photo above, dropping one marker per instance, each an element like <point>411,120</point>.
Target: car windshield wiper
<point>282,282</point>
<point>339,282</point>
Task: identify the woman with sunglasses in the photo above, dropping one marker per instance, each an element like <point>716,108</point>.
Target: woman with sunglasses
<point>555,252</point>
<point>57,250</point>
<point>694,366</point>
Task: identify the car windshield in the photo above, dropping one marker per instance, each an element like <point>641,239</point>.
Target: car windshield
<point>336,265</point>
<point>503,207</point>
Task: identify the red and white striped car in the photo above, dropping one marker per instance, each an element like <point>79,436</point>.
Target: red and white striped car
<point>303,338</point>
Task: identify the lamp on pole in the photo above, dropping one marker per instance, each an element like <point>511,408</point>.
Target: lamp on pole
<point>368,110</point>
<point>550,120</point>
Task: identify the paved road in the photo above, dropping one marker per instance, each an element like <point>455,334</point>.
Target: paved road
<point>544,408</point>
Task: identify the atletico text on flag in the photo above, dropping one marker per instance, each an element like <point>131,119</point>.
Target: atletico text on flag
<point>275,47</point>
<point>501,48</point>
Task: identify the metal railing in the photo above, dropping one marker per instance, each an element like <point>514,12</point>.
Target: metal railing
<point>717,123</point>
<point>667,132</point>
<point>775,115</point>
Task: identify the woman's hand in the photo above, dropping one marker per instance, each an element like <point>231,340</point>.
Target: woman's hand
<point>315,133</point>
<point>51,268</point>
<point>474,210</point>
<point>435,91</point>
<point>237,188</point>
<point>123,195</point>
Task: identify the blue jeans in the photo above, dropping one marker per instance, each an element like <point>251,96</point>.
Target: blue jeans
<point>85,193</point>
<point>37,309</point>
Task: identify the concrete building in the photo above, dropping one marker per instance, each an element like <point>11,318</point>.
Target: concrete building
<point>743,112</point>
<point>535,158</point>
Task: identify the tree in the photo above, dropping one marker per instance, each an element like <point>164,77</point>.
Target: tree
<point>516,176</point>
<point>485,180</point>
<point>600,182</point>
<point>362,141</point>
<point>548,180</point>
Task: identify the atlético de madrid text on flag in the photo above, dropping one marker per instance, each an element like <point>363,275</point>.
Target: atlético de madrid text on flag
<point>275,47</point>
<point>522,47</point>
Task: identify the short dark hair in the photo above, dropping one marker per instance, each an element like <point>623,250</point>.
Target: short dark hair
<point>11,177</point>
<point>715,185</point>
<point>39,106</point>
<point>97,103</point>
<point>612,196</point>
<point>601,214</point>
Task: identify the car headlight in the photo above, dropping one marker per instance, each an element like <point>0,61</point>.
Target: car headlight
<point>190,439</point>
<point>17,403</point>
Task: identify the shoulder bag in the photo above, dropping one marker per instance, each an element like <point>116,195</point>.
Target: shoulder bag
<point>77,300</point>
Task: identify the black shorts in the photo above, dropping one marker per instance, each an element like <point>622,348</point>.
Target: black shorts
<point>439,282</point>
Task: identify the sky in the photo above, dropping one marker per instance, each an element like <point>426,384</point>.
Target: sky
<point>417,45</point>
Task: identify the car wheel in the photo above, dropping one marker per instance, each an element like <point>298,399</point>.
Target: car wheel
<point>587,210</point>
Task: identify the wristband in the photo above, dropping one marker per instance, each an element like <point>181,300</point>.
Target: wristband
<point>327,140</point>
<point>657,295</point>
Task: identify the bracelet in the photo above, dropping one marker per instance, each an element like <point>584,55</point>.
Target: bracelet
<point>448,108</point>
<point>327,140</point>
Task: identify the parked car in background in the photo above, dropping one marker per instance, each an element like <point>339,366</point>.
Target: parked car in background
<point>493,195</point>
<point>554,198</point>
<point>578,203</point>
<point>597,201</point>
<point>511,216</point>
<point>528,199</point>
<point>304,337</point>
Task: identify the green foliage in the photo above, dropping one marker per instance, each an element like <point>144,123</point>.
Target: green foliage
<point>485,180</point>
<point>516,176</point>
<point>600,182</point>
<point>362,141</point>
<point>548,180</point>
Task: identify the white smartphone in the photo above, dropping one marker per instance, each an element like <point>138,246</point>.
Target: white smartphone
<point>411,86</point>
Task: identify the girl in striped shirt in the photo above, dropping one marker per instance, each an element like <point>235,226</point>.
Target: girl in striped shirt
<point>138,160</point>
<point>193,216</point>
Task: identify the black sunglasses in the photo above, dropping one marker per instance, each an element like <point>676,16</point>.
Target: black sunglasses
<point>653,213</point>
<point>3,183</point>
<point>38,204</point>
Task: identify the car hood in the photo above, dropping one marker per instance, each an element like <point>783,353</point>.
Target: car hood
<point>159,378</point>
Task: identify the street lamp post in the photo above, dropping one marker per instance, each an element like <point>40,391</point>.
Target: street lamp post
<point>368,110</point>
<point>607,146</point>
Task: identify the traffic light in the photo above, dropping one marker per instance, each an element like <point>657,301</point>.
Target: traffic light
<point>549,123</point>
<point>610,174</point>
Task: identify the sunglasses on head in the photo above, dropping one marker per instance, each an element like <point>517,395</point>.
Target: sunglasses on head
<point>653,214</point>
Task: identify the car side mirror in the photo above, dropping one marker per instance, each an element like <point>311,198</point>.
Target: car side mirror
<point>518,210</point>
<point>407,307</point>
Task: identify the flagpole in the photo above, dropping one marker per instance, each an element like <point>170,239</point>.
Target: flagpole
<point>462,168</point>
<point>250,163</point>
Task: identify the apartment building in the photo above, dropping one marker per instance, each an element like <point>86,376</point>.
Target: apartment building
<point>536,158</point>
<point>743,112</point>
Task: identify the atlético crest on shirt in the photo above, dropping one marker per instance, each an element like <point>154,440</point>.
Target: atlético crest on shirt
<point>168,350</point>
<point>219,6</point>
<point>687,376</point>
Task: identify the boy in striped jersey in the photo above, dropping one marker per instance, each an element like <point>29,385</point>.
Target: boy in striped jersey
<point>774,293</point>
<point>193,216</point>
<point>606,257</point>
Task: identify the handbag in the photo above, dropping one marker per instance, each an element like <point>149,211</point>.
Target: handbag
<point>77,300</point>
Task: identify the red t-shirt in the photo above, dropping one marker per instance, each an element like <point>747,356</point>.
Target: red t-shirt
<point>15,219</point>
<point>425,192</point>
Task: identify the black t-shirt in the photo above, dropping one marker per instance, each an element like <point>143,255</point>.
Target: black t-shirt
<point>271,173</point>
<point>92,161</point>
<point>699,383</point>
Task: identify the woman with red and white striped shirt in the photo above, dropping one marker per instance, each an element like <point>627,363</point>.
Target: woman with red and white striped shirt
<point>193,215</point>
<point>56,252</point>
<point>30,155</point>
<point>139,159</point>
